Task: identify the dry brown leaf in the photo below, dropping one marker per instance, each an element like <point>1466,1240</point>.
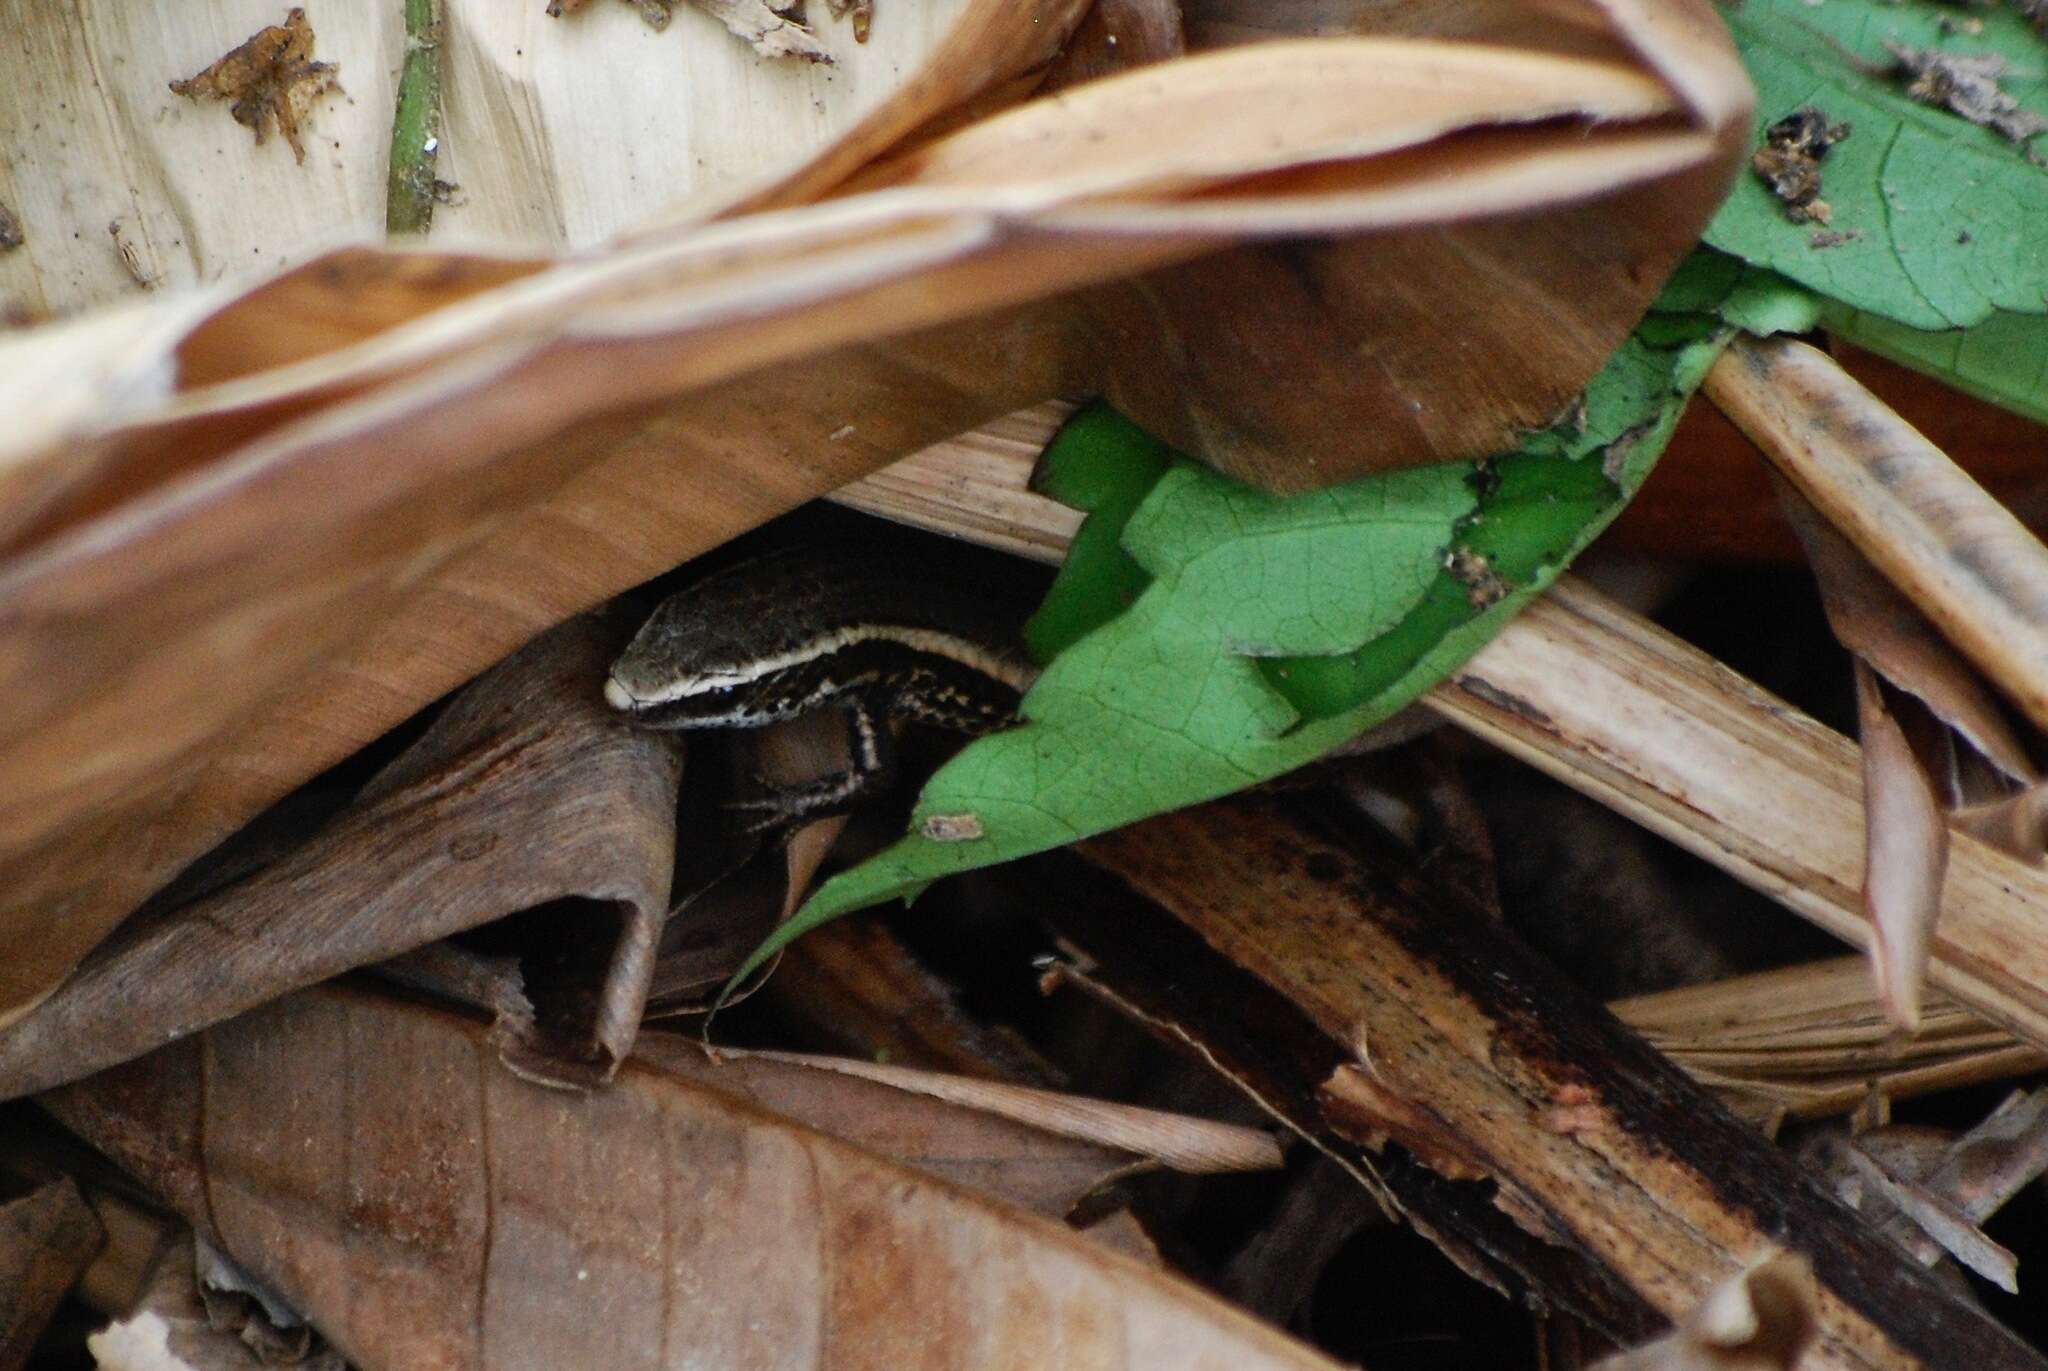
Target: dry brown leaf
<point>272,79</point>
<point>171,1328</point>
<point>46,1240</point>
<point>1959,556</point>
<point>466,450</point>
<point>1910,782</point>
<point>370,1163</point>
<point>1761,1319</point>
<point>1905,854</point>
<point>854,986</point>
<point>527,793</point>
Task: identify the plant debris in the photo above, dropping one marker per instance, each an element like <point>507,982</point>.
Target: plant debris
<point>1789,162</point>
<point>1967,86</point>
<point>271,77</point>
<point>772,28</point>
<point>1484,587</point>
<point>862,11</point>
<point>11,236</point>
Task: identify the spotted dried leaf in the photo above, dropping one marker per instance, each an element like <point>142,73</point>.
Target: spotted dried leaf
<point>270,78</point>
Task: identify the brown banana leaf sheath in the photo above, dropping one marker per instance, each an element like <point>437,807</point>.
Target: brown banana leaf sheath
<point>528,791</point>
<point>242,534</point>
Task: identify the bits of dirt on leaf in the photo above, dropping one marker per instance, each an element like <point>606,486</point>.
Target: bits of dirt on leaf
<point>863,14</point>
<point>1614,460</point>
<point>270,78</point>
<point>1484,587</point>
<point>11,236</point>
<point>952,828</point>
<point>1789,162</point>
<point>1832,238</point>
<point>1966,86</point>
<point>653,13</point>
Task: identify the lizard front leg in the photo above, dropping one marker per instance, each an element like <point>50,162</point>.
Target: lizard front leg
<point>874,766</point>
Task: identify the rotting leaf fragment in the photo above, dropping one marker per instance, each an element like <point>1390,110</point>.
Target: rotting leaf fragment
<point>1967,86</point>
<point>1789,162</point>
<point>270,77</point>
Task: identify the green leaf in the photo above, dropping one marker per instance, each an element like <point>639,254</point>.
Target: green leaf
<point>2003,360</point>
<point>1934,255</point>
<point>1209,636</point>
<point>1104,464</point>
<point>1936,221</point>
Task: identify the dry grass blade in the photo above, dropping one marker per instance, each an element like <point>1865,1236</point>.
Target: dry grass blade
<point>1658,731</point>
<point>1185,1144</point>
<point>1809,1041</point>
<point>687,1225</point>
<point>1941,1220</point>
<point>1961,557</point>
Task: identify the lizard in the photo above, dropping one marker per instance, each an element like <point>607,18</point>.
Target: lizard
<point>810,628</point>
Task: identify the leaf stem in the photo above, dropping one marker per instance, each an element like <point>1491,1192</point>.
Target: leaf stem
<point>416,125</point>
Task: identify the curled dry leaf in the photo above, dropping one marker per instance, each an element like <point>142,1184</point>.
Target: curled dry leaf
<point>46,1240</point>
<point>563,134</point>
<point>527,793</point>
<point>1761,1319</point>
<point>369,1162</point>
<point>468,449</point>
<point>170,1328</point>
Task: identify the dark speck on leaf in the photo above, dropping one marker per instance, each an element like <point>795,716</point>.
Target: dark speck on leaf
<point>1789,162</point>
